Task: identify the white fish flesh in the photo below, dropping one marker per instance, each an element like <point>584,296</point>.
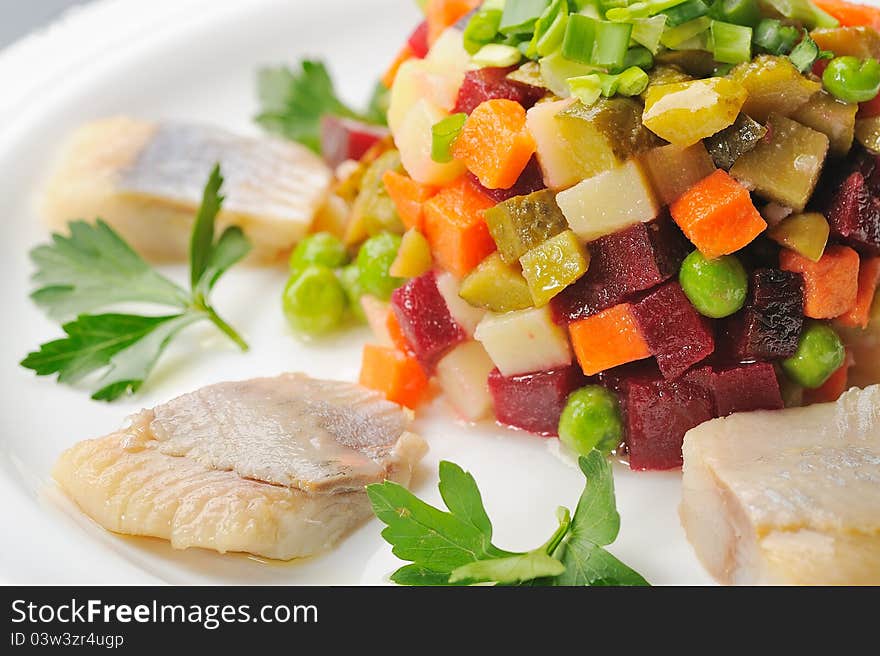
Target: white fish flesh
<point>146,180</point>
<point>788,497</point>
<point>274,467</point>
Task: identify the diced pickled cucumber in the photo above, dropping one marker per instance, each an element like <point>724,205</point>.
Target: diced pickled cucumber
<point>785,167</point>
<point>665,74</point>
<point>774,86</point>
<point>806,234</point>
<point>832,117</point>
<point>731,143</point>
<point>868,133</point>
<point>523,222</point>
<point>673,169</point>
<point>685,112</point>
<point>374,208</point>
<point>554,265</point>
<point>861,42</point>
<point>618,120</point>
<point>413,257</point>
<point>698,63</point>
<point>496,286</point>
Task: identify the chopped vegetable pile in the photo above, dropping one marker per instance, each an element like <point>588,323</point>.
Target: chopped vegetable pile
<point>613,220</point>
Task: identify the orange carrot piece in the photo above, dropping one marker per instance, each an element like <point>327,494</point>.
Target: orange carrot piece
<point>608,339</point>
<point>396,375</point>
<point>834,387</point>
<point>831,285</point>
<point>406,53</point>
<point>396,333</point>
<point>869,279</point>
<point>717,215</point>
<point>456,229</point>
<point>408,196</point>
<point>495,143</point>
<point>850,14</point>
<point>441,14</point>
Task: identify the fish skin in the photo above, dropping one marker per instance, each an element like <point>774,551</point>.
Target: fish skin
<point>787,497</point>
<point>146,181</point>
<point>127,483</point>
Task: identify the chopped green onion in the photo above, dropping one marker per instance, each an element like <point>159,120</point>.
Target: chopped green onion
<point>549,30</point>
<point>612,42</point>
<point>586,88</point>
<point>806,53</point>
<point>529,73</point>
<point>632,81</point>
<point>482,29</point>
<point>731,44</point>
<point>589,8</point>
<point>556,70</point>
<point>644,9</point>
<point>519,16</point>
<point>804,12</point>
<point>647,32</point>
<point>774,37</point>
<point>443,135</point>
<point>687,11</point>
<point>738,12</point>
<point>721,70</point>
<point>702,41</point>
<point>580,37</point>
<point>675,37</point>
<point>497,55</point>
<point>638,56</point>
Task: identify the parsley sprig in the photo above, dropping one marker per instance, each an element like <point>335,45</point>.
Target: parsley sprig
<point>94,268</point>
<point>455,547</point>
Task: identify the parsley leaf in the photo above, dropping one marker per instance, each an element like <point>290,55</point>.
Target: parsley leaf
<point>454,547</point>
<point>93,269</point>
<point>293,102</point>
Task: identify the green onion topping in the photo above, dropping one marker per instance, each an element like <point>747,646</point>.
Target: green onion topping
<point>443,135</point>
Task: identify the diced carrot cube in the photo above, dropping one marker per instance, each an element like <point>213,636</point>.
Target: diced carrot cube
<point>831,285</point>
<point>456,229</point>
<point>608,339</point>
<point>834,387</point>
<point>408,196</point>
<point>396,334</point>
<point>717,215</point>
<point>396,375</point>
<point>869,279</point>
<point>851,14</point>
<point>495,143</point>
<point>441,14</point>
<point>406,53</point>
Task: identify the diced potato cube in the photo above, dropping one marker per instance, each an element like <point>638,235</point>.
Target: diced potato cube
<point>868,133</point>
<point>832,117</point>
<point>413,257</point>
<point>524,342</point>
<point>786,168</point>
<point>418,80</point>
<point>674,169</point>
<point>464,377</point>
<point>523,222</point>
<point>774,86</point>
<point>664,74</point>
<point>414,140</point>
<point>609,202</point>
<point>554,265</point>
<point>496,286</point>
<point>685,112</point>
<point>463,312</point>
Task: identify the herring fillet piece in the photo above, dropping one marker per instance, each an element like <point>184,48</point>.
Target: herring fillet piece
<point>787,497</point>
<point>275,467</point>
<point>146,181</point>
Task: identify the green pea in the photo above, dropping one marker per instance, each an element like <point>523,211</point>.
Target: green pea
<point>374,261</point>
<point>320,248</point>
<point>350,279</point>
<point>717,288</point>
<point>852,80</point>
<point>820,353</point>
<point>314,301</point>
<point>591,420</point>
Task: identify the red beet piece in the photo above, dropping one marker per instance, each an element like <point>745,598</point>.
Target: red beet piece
<point>769,326</point>
<point>854,213</point>
<point>675,332</point>
<point>425,320</point>
<point>490,84</point>
<point>530,181</point>
<point>418,40</point>
<point>534,402</point>
<point>658,412</point>
<point>622,264</point>
<point>747,387</point>
<point>346,138</point>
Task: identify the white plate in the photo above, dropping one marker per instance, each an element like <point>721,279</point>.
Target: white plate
<point>196,59</point>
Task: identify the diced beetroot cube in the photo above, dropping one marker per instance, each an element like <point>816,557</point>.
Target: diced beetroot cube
<point>425,320</point>
<point>346,138</point>
<point>747,387</point>
<point>622,264</point>
<point>534,402</point>
<point>769,326</point>
<point>418,40</point>
<point>530,181</point>
<point>854,214</point>
<point>675,332</point>
<point>658,412</point>
<point>491,83</point>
